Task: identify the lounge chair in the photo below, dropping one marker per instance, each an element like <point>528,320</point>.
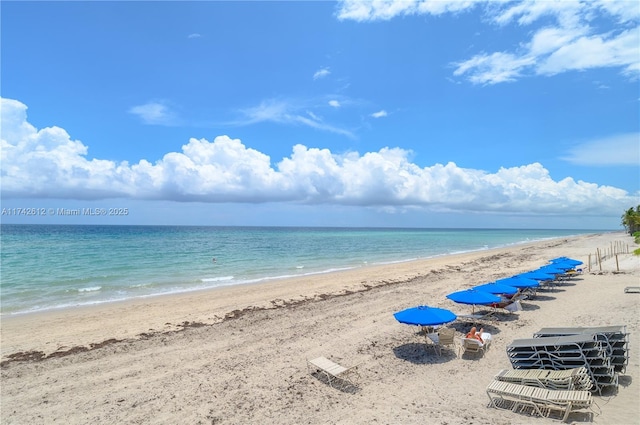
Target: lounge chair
<point>473,345</point>
<point>540,401</point>
<point>510,306</point>
<point>334,373</point>
<point>444,337</point>
<point>477,318</point>
<point>568,379</point>
<point>566,352</point>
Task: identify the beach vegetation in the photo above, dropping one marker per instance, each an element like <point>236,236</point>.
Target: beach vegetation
<point>636,238</point>
<point>631,221</point>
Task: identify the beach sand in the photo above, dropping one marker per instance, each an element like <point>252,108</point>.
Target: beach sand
<point>237,355</point>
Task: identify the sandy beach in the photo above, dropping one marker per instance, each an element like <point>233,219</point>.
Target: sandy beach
<point>237,355</point>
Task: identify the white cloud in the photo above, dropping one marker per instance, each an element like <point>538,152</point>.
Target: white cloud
<point>156,113</point>
<point>622,149</point>
<point>321,73</point>
<point>334,103</point>
<point>287,112</point>
<point>194,35</point>
<point>495,68</point>
<point>591,52</point>
<point>367,10</point>
<point>379,114</point>
<point>48,163</point>
<point>571,41</point>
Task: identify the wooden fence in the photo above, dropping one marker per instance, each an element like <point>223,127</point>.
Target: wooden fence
<point>612,251</point>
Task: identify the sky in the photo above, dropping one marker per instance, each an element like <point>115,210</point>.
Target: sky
<point>383,113</point>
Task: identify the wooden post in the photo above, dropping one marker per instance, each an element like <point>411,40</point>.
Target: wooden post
<point>617,266</point>
<point>599,258</point>
<point>589,263</point>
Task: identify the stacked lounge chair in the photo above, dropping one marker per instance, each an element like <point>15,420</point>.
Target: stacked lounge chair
<point>538,401</point>
<point>565,352</point>
<point>615,340</point>
<point>568,379</point>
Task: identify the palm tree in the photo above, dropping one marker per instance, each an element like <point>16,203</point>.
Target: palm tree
<point>631,220</point>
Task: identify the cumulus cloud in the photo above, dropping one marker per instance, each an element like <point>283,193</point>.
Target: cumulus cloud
<point>155,113</point>
<point>569,40</point>
<point>334,103</point>
<point>621,149</point>
<point>47,162</point>
<point>379,114</point>
<point>194,35</point>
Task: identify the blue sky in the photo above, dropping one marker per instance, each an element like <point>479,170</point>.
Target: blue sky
<point>388,113</point>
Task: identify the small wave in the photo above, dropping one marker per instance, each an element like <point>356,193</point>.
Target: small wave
<point>217,279</point>
<point>90,289</point>
<point>299,267</point>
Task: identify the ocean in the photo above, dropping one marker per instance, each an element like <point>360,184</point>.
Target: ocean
<point>47,267</point>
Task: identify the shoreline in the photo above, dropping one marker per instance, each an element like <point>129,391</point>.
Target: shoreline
<point>225,301</point>
<point>241,357</point>
<point>146,284</point>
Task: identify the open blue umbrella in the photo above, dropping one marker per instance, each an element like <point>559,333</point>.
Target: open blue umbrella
<point>497,288</point>
<point>522,282</point>
<point>554,268</point>
<point>425,316</point>
<point>564,266</point>
<point>473,297</point>
<point>566,260</point>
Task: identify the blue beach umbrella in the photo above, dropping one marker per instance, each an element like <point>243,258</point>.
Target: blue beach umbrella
<point>562,266</point>
<point>473,297</point>
<point>522,282</point>
<point>555,268</point>
<point>566,260</point>
<point>497,288</point>
<point>565,266</point>
<point>423,315</point>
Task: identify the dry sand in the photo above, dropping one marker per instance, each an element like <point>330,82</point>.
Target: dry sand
<point>237,355</point>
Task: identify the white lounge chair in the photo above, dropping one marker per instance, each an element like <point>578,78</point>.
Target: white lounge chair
<point>473,345</point>
<point>478,318</point>
<point>540,401</point>
<point>444,337</point>
<point>333,372</point>
<point>567,379</point>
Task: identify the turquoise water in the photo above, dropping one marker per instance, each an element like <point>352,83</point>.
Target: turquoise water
<point>54,266</point>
